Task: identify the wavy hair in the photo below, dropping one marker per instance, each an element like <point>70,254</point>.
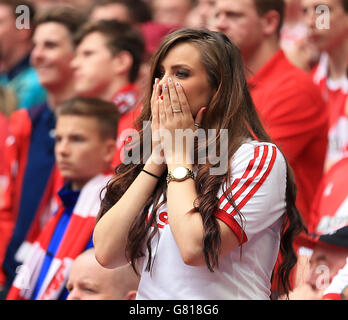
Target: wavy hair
<point>231,108</point>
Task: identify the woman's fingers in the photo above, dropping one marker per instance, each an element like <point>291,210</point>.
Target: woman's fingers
<point>154,101</point>
<point>161,110</point>
<point>154,92</point>
<point>174,98</point>
<point>199,117</point>
<point>167,106</point>
<point>185,108</point>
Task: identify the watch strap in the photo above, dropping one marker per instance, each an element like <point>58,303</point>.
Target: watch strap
<point>189,174</point>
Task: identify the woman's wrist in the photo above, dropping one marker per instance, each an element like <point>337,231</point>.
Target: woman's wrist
<point>155,167</point>
<point>174,165</point>
<point>179,160</point>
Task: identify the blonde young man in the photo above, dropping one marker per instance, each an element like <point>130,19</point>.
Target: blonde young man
<point>85,144</point>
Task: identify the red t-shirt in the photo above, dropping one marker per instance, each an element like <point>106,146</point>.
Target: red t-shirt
<point>295,116</point>
<point>127,103</point>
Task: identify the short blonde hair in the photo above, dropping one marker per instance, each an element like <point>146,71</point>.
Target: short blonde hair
<point>104,112</point>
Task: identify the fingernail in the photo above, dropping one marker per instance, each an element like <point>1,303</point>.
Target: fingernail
<point>156,80</point>
<point>165,86</point>
<point>169,80</point>
<point>177,84</point>
<point>161,97</point>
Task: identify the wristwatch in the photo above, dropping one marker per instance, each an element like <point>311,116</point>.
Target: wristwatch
<point>180,174</point>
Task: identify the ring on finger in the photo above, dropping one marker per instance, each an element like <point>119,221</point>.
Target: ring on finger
<point>176,110</point>
<point>197,125</point>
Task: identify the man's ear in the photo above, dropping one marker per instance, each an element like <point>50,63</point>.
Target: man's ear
<point>270,22</point>
<point>110,148</point>
<point>131,295</point>
<point>122,62</point>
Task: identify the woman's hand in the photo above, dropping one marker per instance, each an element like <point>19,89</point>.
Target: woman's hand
<point>157,156</point>
<point>176,124</point>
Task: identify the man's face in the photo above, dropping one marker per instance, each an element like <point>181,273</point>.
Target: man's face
<point>52,53</point>
<point>205,11</point>
<point>171,12</point>
<point>93,66</point>
<point>324,264</point>
<point>111,11</point>
<point>81,152</point>
<point>240,22</point>
<point>325,38</point>
<point>8,31</point>
<point>89,281</point>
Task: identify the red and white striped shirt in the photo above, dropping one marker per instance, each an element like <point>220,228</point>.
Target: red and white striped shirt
<point>258,183</point>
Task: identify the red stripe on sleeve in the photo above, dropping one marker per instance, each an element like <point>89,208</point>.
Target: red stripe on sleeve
<point>251,179</point>
<point>259,184</point>
<point>233,224</point>
<point>245,174</point>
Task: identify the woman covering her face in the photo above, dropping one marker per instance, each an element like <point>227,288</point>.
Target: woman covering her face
<point>191,229</point>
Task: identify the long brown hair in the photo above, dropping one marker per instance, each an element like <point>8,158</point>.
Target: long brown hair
<point>231,108</point>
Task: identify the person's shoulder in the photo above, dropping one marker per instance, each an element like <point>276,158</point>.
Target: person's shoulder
<point>290,88</point>
<point>286,74</point>
<point>250,147</point>
<point>19,116</point>
<point>257,155</point>
<point>298,89</point>
<point>301,79</point>
<point>19,127</point>
<point>21,120</point>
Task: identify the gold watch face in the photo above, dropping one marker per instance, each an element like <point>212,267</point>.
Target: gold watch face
<point>179,173</point>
